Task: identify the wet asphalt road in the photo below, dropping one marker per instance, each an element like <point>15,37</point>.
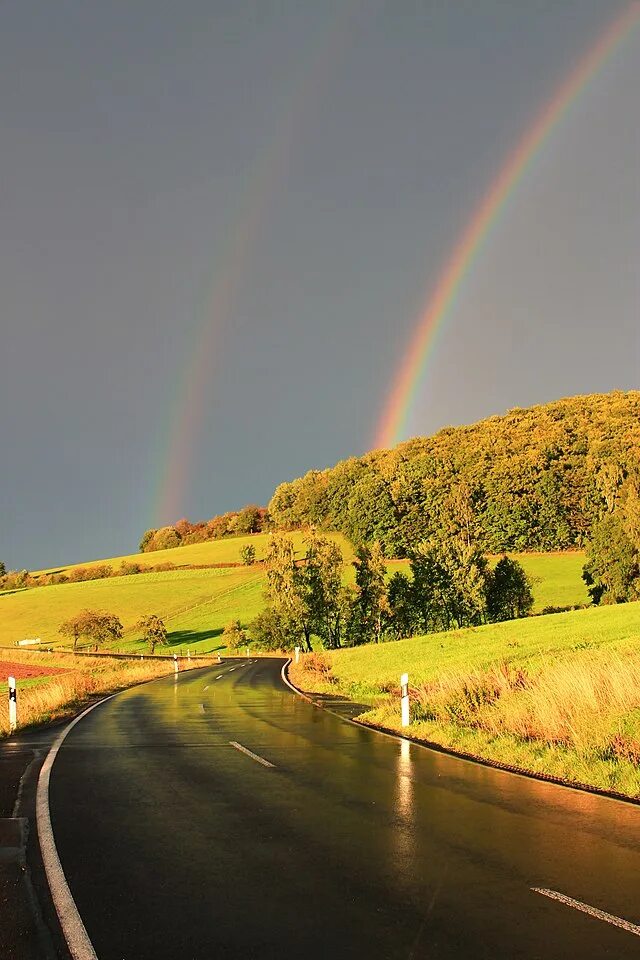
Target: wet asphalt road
<point>178,845</point>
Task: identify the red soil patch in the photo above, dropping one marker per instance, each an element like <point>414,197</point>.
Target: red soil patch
<point>24,671</point>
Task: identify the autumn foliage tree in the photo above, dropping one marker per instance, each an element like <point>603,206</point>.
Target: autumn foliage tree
<point>233,635</point>
<point>153,630</point>
<point>96,626</point>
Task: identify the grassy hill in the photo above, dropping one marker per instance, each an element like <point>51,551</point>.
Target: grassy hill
<point>195,605</point>
<point>210,553</point>
<point>536,479</point>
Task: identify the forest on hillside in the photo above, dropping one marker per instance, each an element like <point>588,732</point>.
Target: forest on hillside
<point>536,479</point>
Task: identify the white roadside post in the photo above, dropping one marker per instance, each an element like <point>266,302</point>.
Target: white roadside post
<point>248,652</point>
<point>13,704</point>
<point>297,652</point>
<point>188,654</point>
<point>404,699</point>
<point>175,663</point>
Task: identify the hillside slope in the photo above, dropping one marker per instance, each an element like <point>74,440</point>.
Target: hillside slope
<point>536,479</point>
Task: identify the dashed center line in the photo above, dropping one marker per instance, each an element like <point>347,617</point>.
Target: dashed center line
<point>250,753</point>
<point>219,677</point>
<point>592,911</point>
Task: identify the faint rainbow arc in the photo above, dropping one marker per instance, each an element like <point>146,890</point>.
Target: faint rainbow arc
<point>187,409</point>
<point>440,303</point>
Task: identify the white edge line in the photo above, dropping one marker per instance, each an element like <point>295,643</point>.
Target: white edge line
<point>250,753</point>
<point>80,946</point>
<point>592,911</point>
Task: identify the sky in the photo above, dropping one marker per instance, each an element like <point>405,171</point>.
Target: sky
<point>220,222</point>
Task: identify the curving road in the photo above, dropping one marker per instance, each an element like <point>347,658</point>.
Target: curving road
<point>219,815</point>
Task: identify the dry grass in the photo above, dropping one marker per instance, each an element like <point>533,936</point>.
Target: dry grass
<point>575,702</point>
<point>59,695</point>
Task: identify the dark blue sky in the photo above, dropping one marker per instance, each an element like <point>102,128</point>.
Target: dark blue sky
<point>324,156</point>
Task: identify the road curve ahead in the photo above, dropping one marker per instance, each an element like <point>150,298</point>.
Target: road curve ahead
<point>218,815</point>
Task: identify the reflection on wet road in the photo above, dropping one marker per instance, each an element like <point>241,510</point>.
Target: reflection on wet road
<point>217,814</point>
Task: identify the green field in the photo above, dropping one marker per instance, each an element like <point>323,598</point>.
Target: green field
<point>195,605</point>
<point>556,578</point>
<point>531,643</point>
<point>210,553</point>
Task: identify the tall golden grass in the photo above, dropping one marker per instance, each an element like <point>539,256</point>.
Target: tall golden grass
<point>61,694</point>
<point>577,702</point>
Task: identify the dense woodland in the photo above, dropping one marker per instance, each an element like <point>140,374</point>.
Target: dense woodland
<point>537,479</point>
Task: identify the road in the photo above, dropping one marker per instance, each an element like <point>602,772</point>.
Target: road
<point>324,840</point>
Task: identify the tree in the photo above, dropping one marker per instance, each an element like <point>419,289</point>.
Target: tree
<point>233,635</point>
<point>96,625</point>
<point>306,593</point>
<point>400,598</point>
<point>319,582</point>
<point>509,593</point>
<point>248,520</point>
<point>153,630</point>
<point>370,606</point>
<point>286,590</point>
<point>147,537</point>
<point>3,569</point>
<point>248,554</point>
<point>165,539</point>
<point>612,570</point>
<point>271,631</point>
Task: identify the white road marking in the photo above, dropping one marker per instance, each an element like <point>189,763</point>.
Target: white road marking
<point>219,677</point>
<point>202,708</point>
<point>592,911</point>
<point>80,946</point>
<point>207,687</point>
<point>250,753</point>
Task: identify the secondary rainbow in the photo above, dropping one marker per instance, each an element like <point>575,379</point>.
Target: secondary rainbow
<point>191,395</point>
<point>392,423</point>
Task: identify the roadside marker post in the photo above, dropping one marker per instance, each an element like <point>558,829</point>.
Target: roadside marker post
<point>247,651</point>
<point>175,663</point>
<point>13,704</point>
<point>297,652</point>
<point>404,699</point>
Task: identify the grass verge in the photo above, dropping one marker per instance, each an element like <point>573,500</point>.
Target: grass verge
<point>64,684</point>
<point>556,695</point>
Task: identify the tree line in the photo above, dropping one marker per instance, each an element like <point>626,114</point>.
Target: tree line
<point>251,519</point>
<point>450,585</point>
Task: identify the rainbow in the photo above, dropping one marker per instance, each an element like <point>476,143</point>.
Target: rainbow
<point>190,397</point>
<point>439,306</point>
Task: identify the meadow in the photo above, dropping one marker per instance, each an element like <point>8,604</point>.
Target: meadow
<point>556,694</point>
<point>195,605</point>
